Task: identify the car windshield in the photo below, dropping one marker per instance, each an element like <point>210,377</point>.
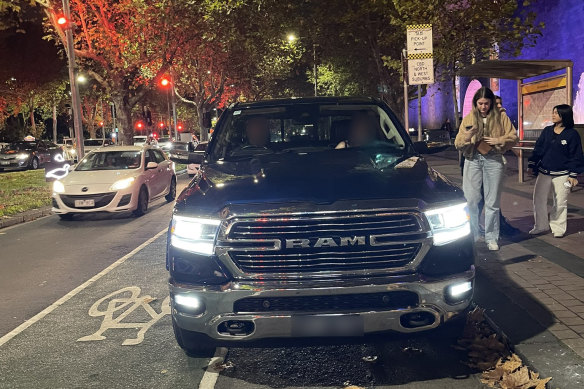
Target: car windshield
<point>306,128</point>
<point>20,146</point>
<point>111,160</point>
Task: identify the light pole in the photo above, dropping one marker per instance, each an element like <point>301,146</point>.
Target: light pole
<point>67,26</point>
<point>291,39</point>
<point>169,82</point>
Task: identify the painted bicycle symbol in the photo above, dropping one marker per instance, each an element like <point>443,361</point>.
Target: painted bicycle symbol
<point>118,306</point>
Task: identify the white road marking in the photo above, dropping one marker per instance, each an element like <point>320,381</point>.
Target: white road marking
<point>75,291</point>
<point>121,306</point>
<point>211,373</point>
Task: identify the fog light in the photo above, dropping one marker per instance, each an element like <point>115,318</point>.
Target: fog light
<point>189,304</point>
<point>456,293</point>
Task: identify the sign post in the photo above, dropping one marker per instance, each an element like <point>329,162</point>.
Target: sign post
<point>420,61</point>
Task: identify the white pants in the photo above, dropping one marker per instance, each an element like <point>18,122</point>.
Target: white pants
<point>558,216</point>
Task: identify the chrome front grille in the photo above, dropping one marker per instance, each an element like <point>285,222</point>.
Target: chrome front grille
<point>324,242</point>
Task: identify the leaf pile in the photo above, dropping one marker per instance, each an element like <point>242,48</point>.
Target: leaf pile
<point>488,352</point>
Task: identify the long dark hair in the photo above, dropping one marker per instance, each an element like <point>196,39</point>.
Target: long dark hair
<point>565,112</point>
<point>493,116</point>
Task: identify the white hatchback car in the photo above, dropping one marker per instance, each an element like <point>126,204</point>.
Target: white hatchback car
<point>115,179</point>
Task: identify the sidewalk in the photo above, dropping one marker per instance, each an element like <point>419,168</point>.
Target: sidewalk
<point>539,277</point>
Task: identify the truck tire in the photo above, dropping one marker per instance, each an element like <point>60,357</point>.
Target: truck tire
<point>194,344</point>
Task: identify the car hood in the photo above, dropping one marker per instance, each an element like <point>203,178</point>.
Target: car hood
<point>317,179</point>
<point>106,177</point>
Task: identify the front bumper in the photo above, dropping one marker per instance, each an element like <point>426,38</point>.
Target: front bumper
<point>218,302</point>
<point>14,164</point>
<point>122,201</point>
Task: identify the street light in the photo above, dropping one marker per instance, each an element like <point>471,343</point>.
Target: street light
<point>291,38</point>
<point>81,78</point>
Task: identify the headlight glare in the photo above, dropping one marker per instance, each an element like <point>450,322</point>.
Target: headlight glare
<point>58,187</point>
<point>22,156</point>
<point>122,184</point>
<point>194,234</point>
<point>449,223</point>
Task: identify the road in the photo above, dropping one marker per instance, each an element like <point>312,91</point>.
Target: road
<point>44,259</point>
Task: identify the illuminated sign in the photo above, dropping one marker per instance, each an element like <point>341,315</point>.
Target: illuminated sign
<point>57,169</point>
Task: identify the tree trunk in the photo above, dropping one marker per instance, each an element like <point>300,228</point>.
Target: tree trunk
<point>33,123</point>
<point>204,132</point>
<point>124,120</point>
<point>455,104</point>
<point>54,124</point>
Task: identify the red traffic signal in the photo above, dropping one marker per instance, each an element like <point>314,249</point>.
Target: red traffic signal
<point>179,127</point>
<point>164,81</point>
<point>161,124</point>
<point>139,125</point>
<point>62,21</point>
<point>101,124</point>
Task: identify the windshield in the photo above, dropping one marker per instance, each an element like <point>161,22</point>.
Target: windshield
<point>306,128</point>
<point>111,160</point>
<point>20,146</point>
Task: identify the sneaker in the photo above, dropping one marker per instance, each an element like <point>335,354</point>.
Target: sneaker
<point>535,231</point>
<point>492,245</point>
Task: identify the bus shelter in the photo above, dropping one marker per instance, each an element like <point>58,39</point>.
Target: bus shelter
<point>534,97</point>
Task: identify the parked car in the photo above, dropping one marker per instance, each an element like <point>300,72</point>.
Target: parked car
<point>115,179</point>
<point>179,151</point>
<point>193,168</point>
<point>28,154</point>
<point>140,140</point>
<point>315,217</point>
<point>165,144</point>
<point>92,144</point>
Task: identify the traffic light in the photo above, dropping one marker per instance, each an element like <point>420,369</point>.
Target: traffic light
<point>164,81</point>
<point>179,127</point>
<point>161,124</point>
<point>101,124</point>
<point>62,21</point>
<point>139,125</point>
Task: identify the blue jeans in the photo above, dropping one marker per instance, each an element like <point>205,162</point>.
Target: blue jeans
<point>486,171</point>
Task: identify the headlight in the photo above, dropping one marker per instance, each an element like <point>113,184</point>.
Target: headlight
<point>58,187</point>
<point>194,234</point>
<point>122,184</point>
<point>449,224</point>
<point>22,156</point>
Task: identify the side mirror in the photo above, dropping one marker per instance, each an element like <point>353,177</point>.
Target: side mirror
<point>151,165</point>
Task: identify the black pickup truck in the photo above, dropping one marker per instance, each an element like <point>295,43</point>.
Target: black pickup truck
<point>315,217</point>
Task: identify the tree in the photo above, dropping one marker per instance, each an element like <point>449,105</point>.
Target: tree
<point>125,45</point>
<point>467,31</point>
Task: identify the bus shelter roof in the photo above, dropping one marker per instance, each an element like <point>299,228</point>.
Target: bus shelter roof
<point>513,69</point>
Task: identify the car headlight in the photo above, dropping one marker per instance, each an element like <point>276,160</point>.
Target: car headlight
<point>449,223</point>
<point>58,187</point>
<point>122,184</point>
<point>22,156</point>
<point>194,234</point>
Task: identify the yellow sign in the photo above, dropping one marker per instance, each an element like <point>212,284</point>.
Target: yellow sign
<point>543,85</point>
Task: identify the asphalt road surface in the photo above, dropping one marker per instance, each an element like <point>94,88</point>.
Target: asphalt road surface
<point>116,332</point>
<point>45,259</point>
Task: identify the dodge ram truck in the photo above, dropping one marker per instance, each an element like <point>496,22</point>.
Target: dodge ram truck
<point>315,217</point>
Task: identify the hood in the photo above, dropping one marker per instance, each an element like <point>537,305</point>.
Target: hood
<point>319,179</point>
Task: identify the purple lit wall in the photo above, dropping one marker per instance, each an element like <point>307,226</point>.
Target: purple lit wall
<point>563,38</point>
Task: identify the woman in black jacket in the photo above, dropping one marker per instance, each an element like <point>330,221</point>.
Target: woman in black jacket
<point>557,160</point>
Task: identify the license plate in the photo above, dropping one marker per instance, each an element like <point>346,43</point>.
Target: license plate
<point>327,325</point>
<point>4,162</point>
<point>84,203</point>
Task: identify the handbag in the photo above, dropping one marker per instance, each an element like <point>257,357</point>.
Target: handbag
<point>483,147</point>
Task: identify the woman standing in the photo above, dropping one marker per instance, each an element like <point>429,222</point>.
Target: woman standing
<point>483,137</point>
<point>557,159</point>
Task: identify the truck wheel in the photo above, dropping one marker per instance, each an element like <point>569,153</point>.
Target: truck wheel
<point>194,344</point>
<point>171,191</point>
<point>142,205</point>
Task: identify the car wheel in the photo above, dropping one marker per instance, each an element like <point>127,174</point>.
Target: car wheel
<point>66,216</point>
<point>142,206</point>
<point>171,191</point>
<point>34,164</point>
<point>194,344</point>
